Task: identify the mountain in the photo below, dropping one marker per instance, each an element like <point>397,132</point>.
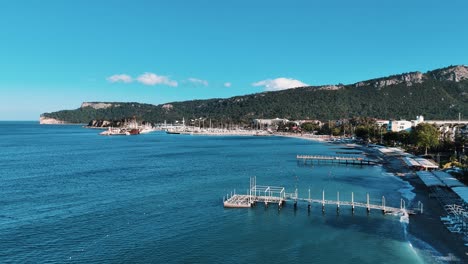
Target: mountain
<point>436,94</point>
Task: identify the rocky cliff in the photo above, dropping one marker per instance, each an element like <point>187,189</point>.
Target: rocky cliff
<point>451,73</point>
<point>106,123</point>
<point>407,78</point>
<point>98,105</point>
<point>50,121</point>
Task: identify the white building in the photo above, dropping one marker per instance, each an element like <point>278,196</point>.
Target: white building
<point>381,122</point>
<point>400,125</point>
<point>269,122</point>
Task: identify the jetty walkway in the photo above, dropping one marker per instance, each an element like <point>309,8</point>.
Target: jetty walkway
<point>278,195</point>
<point>353,160</point>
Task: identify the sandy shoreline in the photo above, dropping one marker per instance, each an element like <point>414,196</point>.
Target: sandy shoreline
<point>304,136</point>
<point>255,133</point>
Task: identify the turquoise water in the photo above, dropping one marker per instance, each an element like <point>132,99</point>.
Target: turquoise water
<point>70,195</point>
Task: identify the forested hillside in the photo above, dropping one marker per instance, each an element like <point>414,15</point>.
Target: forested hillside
<point>438,94</point>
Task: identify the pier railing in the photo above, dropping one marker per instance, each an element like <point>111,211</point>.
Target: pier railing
<point>277,195</point>
<point>356,160</point>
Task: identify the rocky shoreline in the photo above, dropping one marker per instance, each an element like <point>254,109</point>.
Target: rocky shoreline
<point>51,121</point>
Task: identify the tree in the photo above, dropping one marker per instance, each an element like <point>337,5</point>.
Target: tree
<point>336,131</point>
<point>427,136</point>
<point>309,126</point>
<point>404,137</point>
<point>391,138</point>
<point>362,132</point>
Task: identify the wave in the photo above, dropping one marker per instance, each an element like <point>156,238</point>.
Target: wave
<point>423,250</point>
<point>426,252</point>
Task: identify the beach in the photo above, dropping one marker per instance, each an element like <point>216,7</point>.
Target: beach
<point>426,227</point>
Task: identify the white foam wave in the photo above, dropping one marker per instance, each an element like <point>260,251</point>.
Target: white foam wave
<point>422,249</point>
<point>404,218</point>
<point>425,250</point>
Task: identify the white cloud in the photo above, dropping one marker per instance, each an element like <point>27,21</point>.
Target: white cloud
<point>120,78</point>
<point>149,78</point>
<point>279,84</point>
<point>228,84</point>
<point>198,81</point>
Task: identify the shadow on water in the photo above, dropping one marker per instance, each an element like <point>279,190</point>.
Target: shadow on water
<point>374,223</point>
<point>330,164</point>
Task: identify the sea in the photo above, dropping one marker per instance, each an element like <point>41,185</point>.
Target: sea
<point>69,195</point>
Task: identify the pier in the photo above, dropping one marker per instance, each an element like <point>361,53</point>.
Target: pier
<point>349,160</point>
<point>278,196</point>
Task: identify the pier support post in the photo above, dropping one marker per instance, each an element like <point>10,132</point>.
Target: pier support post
<point>383,204</point>
<point>337,202</point>
<point>367,205</point>
<point>323,201</point>
<point>295,199</point>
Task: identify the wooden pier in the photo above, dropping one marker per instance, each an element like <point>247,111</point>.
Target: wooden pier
<point>277,195</point>
<point>349,160</point>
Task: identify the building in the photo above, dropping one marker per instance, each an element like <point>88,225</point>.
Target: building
<point>381,122</point>
<point>400,125</point>
<point>315,122</point>
<point>266,123</point>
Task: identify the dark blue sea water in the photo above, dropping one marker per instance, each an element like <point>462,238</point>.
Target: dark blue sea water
<point>70,195</point>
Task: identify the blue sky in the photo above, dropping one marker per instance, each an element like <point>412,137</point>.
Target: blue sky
<point>56,54</point>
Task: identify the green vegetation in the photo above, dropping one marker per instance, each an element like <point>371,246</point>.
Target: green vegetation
<point>426,136</point>
<point>432,98</point>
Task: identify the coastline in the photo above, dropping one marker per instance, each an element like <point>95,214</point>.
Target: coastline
<point>304,136</point>
<point>309,137</point>
<point>426,232</point>
<point>427,228</point>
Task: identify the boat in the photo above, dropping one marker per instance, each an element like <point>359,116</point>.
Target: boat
<point>134,131</point>
<point>120,132</point>
<point>112,131</point>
